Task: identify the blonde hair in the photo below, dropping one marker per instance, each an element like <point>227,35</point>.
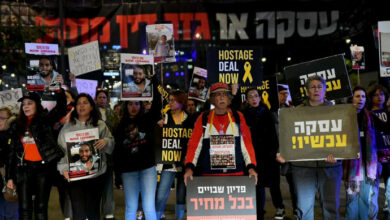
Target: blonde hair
<point>6,109</point>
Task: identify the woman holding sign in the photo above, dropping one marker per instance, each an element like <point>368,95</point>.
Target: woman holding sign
<point>35,153</point>
<point>361,175</point>
<point>175,118</point>
<point>85,194</point>
<point>134,164</point>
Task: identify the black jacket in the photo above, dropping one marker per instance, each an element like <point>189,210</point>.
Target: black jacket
<point>41,128</point>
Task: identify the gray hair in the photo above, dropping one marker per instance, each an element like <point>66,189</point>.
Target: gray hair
<point>316,77</point>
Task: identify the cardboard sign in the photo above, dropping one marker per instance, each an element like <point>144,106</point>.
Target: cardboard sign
<point>84,159</point>
<point>84,58</point>
<point>235,66</point>
<point>312,133</point>
<point>9,98</point>
<point>332,69</point>
<point>227,197</point>
<point>160,42</point>
<point>41,49</point>
<point>199,88</point>
<point>87,86</point>
<point>135,71</point>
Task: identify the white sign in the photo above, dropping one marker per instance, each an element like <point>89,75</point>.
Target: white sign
<point>41,49</point>
<point>84,58</point>
<point>87,86</point>
<point>384,48</point>
<point>9,98</point>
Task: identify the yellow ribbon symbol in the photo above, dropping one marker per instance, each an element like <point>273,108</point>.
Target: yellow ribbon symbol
<point>247,68</point>
<point>264,96</point>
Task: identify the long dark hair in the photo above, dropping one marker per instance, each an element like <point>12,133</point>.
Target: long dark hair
<point>22,119</point>
<point>371,92</point>
<point>358,88</point>
<point>180,97</point>
<point>125,111</point>
<point>94,115</point>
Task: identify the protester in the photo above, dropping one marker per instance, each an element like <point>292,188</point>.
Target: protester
<point>135,170</point>
<point>191,107</point>
<point>310,176</point>
<point>220,121</point>
<point>86,194</point>
<point>265,142</point>
<point>361,175</point>
<point>102,100</point>
<point>283,95</point>
<point>35,153</point>
<point>176,117</point>
<point>8,210</point>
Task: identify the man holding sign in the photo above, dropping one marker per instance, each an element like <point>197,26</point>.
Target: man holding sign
<point>221,142</point>
<point>308,176</point>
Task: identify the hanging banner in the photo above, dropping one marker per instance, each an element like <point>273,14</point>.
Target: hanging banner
<point>160,42</point>
<point>312,133</point>
<point>84,159</point>
<point>384,48</point>
<point>135,71</point>
<point>41,49</point>
<point>9,99</point>
<point>227,197</point>
<point>358,59</point>
<point>198,87</point>
<point>84,58</point>
<point>173,141</point>
<point>235,66</point>
<point>332,69</point>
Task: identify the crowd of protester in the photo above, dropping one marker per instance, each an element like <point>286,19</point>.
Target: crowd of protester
<point>33,153</point>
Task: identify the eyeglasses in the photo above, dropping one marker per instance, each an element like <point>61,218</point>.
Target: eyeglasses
<point>316,87</point>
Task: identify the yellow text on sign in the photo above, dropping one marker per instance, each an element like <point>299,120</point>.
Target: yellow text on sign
<point>319,141</point>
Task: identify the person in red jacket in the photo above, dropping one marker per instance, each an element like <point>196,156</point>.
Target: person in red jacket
<point>223,126</point>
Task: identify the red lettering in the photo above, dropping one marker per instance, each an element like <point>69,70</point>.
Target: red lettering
<point>186,18</point>
<point>174,19</point>
<point>71,23</point>
<point>204,27</point>
<point>98,22</point>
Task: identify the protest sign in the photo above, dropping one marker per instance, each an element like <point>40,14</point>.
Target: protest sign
<point>227,197</point>
<point>332,69</point>
<point>171,143</point>
<point>84,159</point>
<point>135,71</point>
<point>235,66</point>
<point>160,42</point>
<point>41,49</point>
<point>198,88</point>
<point>384,48</point>
<point>9,99</point>
<point>87,86</point>
<point>312,133</point>
<point>84,58</point>
<point>358,59</point>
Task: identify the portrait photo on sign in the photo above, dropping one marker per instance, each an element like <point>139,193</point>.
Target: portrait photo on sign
<point>358,59</point>
<point>160,42</point>
<point>42,73</point>
<point>84,159</point>
<point>199,88</point>
<point>136,81</point>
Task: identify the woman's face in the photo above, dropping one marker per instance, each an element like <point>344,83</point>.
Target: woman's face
<point>253,98</point>
<point>83,107</point>
<point>133,107</point>
<point>29,107</point>
<point>378,98</point>
<point>3,119</point>
<point>101,100</point>
<point>173,104</point>
<point>359,99</point>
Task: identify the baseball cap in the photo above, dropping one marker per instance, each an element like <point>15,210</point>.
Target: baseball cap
<point>219,86</point>
<point>31,95</point>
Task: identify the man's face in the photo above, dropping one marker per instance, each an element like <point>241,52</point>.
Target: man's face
<point>133,134</point>
<point>316,91</point>
<point>101,100</point>
<point>201,83</point>
<point>163,39</point>
<point>191,108</point>
<point>220,100</point>
<point>283,96</point>
<point>45,66</point>
<point>138,75</point>
<point>85,153</point>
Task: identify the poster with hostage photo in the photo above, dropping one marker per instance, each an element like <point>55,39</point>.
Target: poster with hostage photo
<point>222,152</point>
<point>199,88</point>
<point>136,71</point>
<point>160,42</point>
<point>84,159</point>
